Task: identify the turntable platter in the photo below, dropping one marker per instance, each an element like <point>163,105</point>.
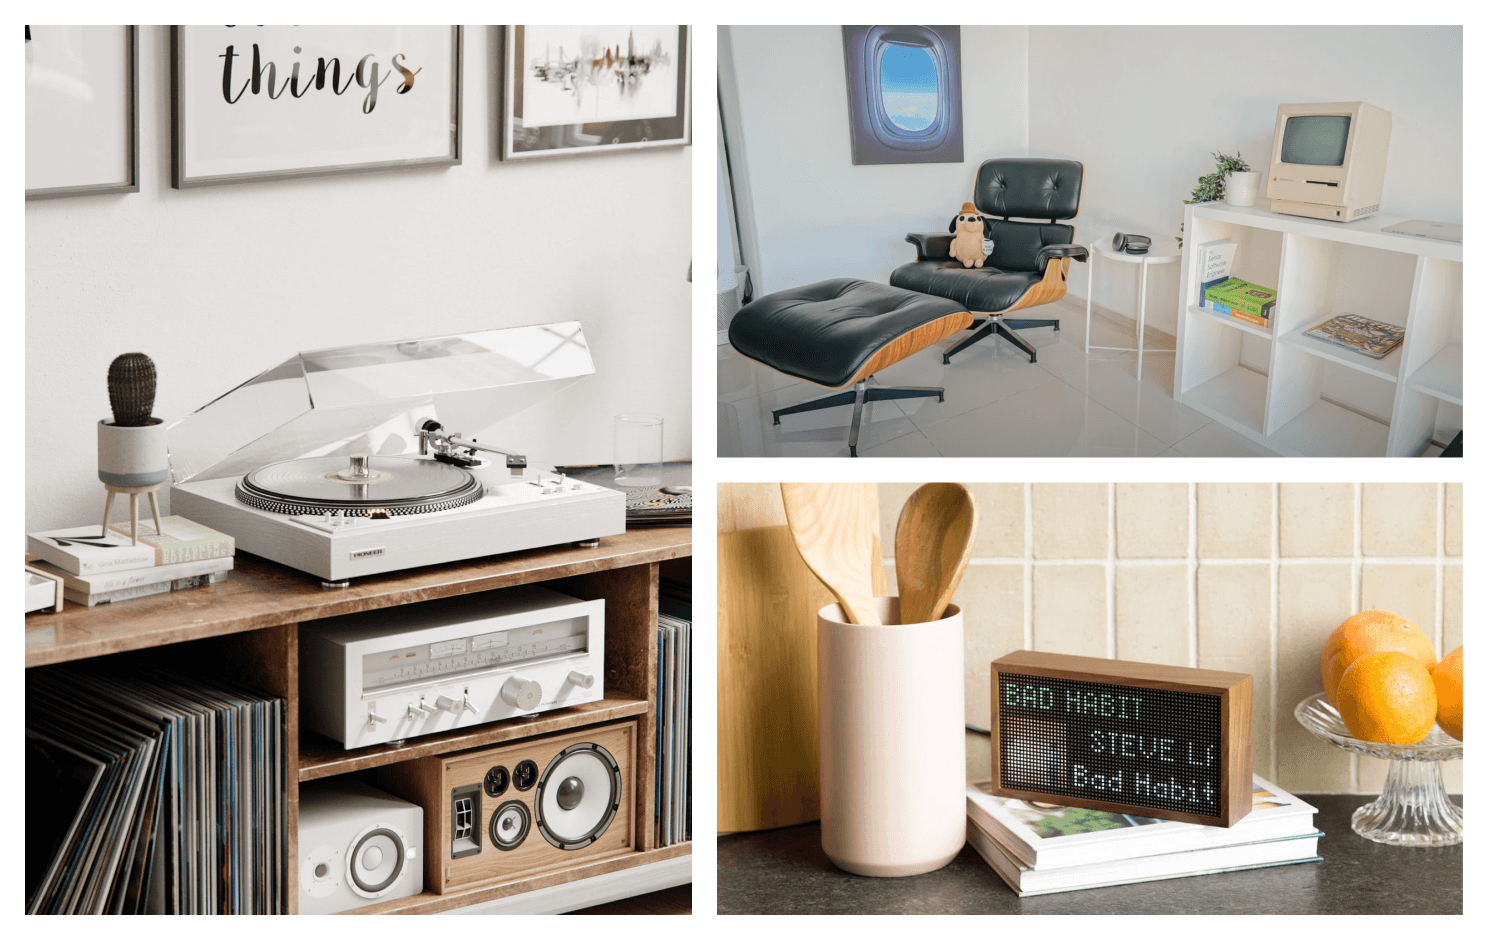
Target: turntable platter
<point>396,486</point>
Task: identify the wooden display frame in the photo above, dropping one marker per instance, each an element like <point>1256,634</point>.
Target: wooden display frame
<point>1233,690</point>
<point>252,620</point>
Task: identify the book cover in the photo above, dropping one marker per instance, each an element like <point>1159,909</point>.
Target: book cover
<point>180,540</point>
<point>1026,881</point>
<point>134,577</point>
<point>1046,835</point>
<point>1244,296</point>
<point>89,550</point>
<point>1360,334</point>
<point>1215,260</point>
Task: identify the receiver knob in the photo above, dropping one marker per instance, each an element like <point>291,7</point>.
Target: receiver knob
<point>583,680</point>
<point>445,703</point>
<point>521,693</point>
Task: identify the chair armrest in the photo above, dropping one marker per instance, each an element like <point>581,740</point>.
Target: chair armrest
<point>930,246</point>
<point>1048,252</point>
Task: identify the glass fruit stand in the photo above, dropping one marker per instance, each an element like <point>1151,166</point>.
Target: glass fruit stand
<point>1413,809</point>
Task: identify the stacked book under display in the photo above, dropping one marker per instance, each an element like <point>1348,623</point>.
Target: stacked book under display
<point>1041,848</point>
<point>103,566</point>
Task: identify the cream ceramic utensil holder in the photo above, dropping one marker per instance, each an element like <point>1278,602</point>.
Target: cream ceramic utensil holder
<point>892,721</point>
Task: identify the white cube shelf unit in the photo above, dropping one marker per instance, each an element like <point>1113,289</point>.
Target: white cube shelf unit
<point>1301,397</point>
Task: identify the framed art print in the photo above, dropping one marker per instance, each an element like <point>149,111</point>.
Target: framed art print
<point>595,89</point>
<point>82,110</point>
<point>278,102</point>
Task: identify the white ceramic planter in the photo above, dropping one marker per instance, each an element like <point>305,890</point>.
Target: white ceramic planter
<point>133,456</point>
<point>891,704</point>
<point>1241,189</point>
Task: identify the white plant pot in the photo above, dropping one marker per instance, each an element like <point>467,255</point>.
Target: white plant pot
<point>892,719</point>
<point>1241,189</point>
<point>133,456</point>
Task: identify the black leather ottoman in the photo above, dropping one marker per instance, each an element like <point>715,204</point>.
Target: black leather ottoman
<point>838,333</point>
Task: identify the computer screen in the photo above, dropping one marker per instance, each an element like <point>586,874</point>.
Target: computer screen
<point>1315,140</point>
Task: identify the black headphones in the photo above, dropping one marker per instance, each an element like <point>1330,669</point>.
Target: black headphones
<point>1131,244</point>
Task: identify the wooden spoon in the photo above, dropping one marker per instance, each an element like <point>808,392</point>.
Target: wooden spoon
<point>834,526</point>
<point>932,545</point>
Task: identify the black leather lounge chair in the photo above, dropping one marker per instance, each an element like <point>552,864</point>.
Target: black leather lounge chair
<point>1029,264</point>
<point>837,333</point>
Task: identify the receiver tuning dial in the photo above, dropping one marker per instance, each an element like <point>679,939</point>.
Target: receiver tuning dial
<point>521,693</point>
<point>445,703</point>
<point>583,680</point>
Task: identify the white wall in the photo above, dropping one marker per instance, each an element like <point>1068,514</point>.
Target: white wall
<point>1144,106</point>
<point>219,283</point>
<point>817,215</point>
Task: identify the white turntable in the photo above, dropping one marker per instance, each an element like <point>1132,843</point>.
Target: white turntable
<point>339,463</point>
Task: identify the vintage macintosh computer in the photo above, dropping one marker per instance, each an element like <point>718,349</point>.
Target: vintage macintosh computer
<point>1328,160</point>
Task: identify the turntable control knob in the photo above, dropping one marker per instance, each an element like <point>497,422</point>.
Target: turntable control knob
<point>521,693</point>
<point>583,680</point>
<point>447,704</point>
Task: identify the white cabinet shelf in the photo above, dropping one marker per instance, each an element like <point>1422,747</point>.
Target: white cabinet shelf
<point>1296,395</point>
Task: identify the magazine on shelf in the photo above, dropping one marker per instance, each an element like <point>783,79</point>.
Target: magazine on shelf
<point>1368,337</point>
<point>1044,835</point>
<point>1027,881</point>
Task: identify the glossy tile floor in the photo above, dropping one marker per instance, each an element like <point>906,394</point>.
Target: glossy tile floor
<point>1068,404</point>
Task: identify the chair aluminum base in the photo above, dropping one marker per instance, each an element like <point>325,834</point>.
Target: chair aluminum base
<point>860,393</point>
<point>1004,328</point>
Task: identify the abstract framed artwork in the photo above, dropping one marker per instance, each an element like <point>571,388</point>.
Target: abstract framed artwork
<point>595,89</point>
<point>82,110</point>
<point>904,93</point>
<point>282,102</point>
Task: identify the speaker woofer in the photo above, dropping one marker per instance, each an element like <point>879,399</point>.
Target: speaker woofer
<point>375,862</point>
<point>510,825</point>
<point>578,796</point>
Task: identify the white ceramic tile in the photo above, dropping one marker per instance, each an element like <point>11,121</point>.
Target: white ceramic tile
<point>740,377</point>
<point>968,385</point>
<point>1216,440</point>
<point>1049,420</point>
<point>913,444</point>
<point>1114,384</point>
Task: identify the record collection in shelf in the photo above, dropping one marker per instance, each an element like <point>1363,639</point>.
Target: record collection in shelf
<point>150,792</point>
<point>674,715</point>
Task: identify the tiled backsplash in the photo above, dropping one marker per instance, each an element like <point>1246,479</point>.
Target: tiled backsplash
<point>1247,577</point>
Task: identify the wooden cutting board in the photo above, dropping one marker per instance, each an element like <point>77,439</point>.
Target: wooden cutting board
<point>767,741</point>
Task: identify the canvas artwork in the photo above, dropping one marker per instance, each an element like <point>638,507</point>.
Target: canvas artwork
<point>598,73</point>
<point>591,89</point>
<point>904,93</point>
<point>82,103</point>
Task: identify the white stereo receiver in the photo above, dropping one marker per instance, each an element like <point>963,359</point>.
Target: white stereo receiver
<point>401,672</point>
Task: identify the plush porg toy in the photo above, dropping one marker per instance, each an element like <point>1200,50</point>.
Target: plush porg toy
<point>967,246</point>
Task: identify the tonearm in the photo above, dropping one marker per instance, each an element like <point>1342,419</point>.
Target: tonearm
<point>446,446</point>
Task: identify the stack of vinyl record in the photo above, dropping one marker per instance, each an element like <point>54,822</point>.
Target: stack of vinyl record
<point>152,792</point>
<point>674,716</point>
<point>670,505</point>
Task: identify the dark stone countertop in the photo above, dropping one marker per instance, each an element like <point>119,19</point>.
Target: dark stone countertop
<point>784,871</point>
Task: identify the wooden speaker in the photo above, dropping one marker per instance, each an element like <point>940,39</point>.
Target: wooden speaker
<point>502,813</point>
<point>1139,738</point>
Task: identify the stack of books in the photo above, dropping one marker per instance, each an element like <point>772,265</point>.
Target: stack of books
<point>153,792</point>
<point>1216,258</point>
<point>1242,300</point>
<point>99,566</point>
<point>674,715</point>
<point>1041,848</point>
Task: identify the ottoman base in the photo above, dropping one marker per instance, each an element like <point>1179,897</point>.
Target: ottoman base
<point>861,392</point>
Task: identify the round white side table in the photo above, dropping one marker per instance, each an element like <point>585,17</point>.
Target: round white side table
<point>1160,253</point>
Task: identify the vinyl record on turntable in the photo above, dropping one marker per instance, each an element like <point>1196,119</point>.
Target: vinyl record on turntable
<point>358,486</point>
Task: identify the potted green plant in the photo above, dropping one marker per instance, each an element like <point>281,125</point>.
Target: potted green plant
<point>1235,170</point>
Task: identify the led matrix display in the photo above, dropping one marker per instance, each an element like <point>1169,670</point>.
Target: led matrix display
<point>1130,737</point>
<point>1148,747</point>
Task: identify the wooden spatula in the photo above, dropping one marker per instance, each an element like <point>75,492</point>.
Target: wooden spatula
<point>932,546</point>
<point>834,526</point>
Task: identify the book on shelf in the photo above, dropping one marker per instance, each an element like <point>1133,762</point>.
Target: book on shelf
<point>1040,848</point>
<point>1234,295</point>
<point>1368,337</point>
<point>1215,260</point>
<point>83,550</point>
<point>186,583</point>
<point>135,577</point>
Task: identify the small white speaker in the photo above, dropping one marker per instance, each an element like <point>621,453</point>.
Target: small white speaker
<point>358,846</point>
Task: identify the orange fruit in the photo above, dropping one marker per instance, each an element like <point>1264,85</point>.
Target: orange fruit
<point>1387,697</point>
<point>1447,676</point>
<point>1371,631</point>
